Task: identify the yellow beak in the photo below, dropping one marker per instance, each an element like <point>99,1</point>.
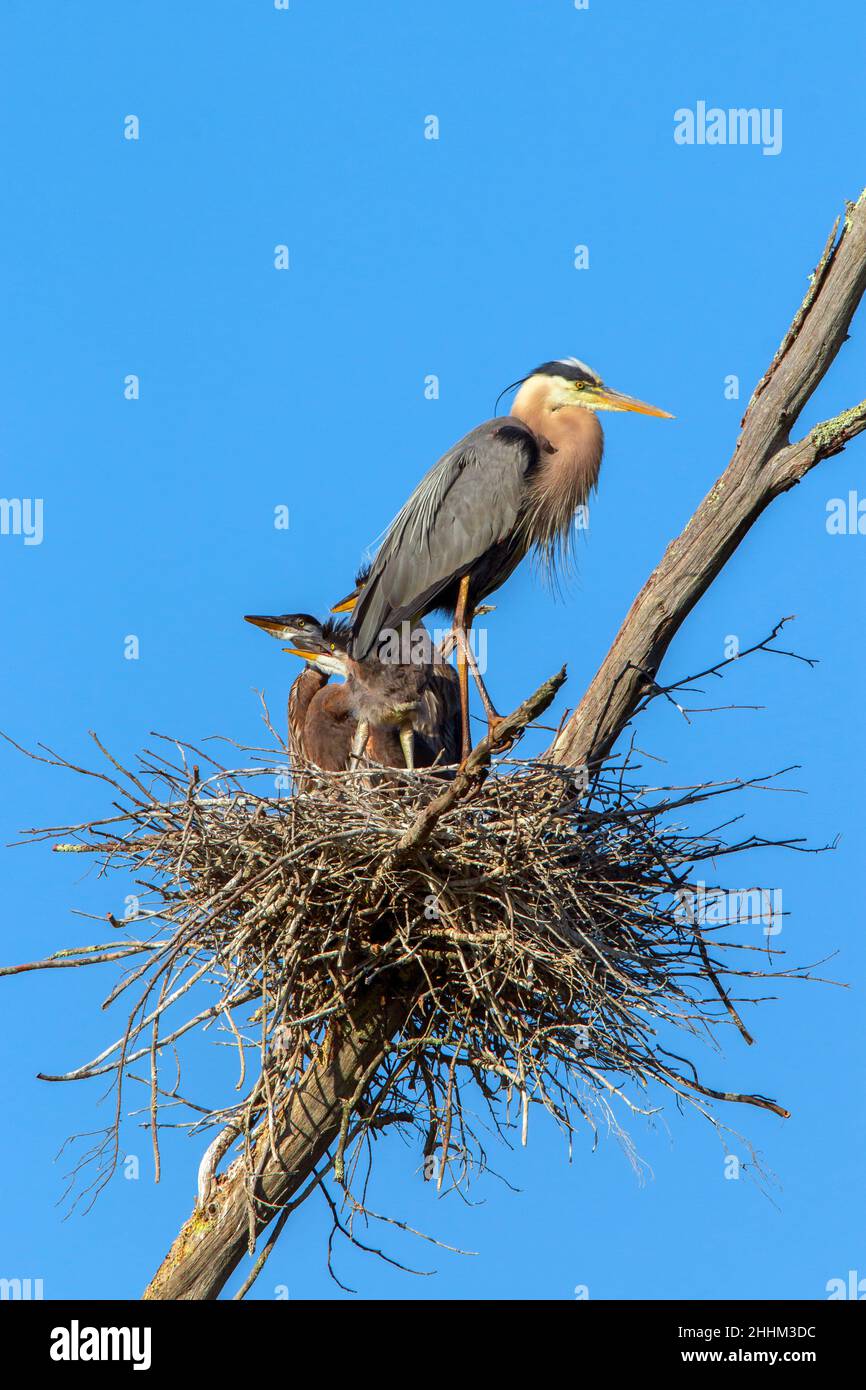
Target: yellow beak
<point>603,398</point>
<point>272,625</point>
<point>345,605</point>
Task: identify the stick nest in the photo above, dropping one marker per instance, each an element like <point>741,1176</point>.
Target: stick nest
<point>536,930</point>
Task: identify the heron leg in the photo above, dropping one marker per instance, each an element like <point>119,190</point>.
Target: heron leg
<point>462,665</point>
<point>359,743</point>
<point>492,714</point>
<point>449,641</point>
<point>407,743</point>
<point>494,719</point>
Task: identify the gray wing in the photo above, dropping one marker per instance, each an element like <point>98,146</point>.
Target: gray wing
<point>471,500</point>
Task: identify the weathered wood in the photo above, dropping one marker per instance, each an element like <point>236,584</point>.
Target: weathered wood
<point>212,1243</point>
<point>764,464</point>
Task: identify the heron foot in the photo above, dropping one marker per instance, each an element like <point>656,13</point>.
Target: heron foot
<point>494,724</point>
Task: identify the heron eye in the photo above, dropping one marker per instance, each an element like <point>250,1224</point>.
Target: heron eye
<point>301,623</point>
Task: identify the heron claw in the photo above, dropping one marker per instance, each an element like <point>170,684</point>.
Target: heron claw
<point>493,725</point>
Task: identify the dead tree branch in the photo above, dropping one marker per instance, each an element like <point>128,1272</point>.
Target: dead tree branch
<point>764,465</point>
<point>304,1125</point>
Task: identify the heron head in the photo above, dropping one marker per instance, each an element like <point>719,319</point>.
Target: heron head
<point>567,382</point>
<point>322,645</point>
<point>287,626</point>
<point>325,657</point>
<point>349,603</point>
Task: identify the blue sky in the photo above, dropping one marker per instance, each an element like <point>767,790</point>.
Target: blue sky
<point>304,388</point>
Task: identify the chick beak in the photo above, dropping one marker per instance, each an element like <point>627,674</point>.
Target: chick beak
<point>271,625</point>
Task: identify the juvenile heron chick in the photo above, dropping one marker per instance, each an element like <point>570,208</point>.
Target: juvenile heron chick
<point>382,695</point>
<point>414,706</point>
<point>321,721</point>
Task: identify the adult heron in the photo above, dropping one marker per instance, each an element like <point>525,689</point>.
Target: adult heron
<point>510,485</point>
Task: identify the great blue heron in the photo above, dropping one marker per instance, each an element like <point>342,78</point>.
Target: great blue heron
<point>401,715</point>
<point>418,696</point>
<point>512,484</point>
<point>321,720</point>
<point>446,646</point>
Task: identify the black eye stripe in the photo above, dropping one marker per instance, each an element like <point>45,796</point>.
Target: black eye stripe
<point>572,371</point>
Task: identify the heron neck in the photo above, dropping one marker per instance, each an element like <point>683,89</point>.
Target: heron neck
<point>304,687</point>
<point>571,444</point>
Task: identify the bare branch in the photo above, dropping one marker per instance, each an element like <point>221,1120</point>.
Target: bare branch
<point>764,465</point>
